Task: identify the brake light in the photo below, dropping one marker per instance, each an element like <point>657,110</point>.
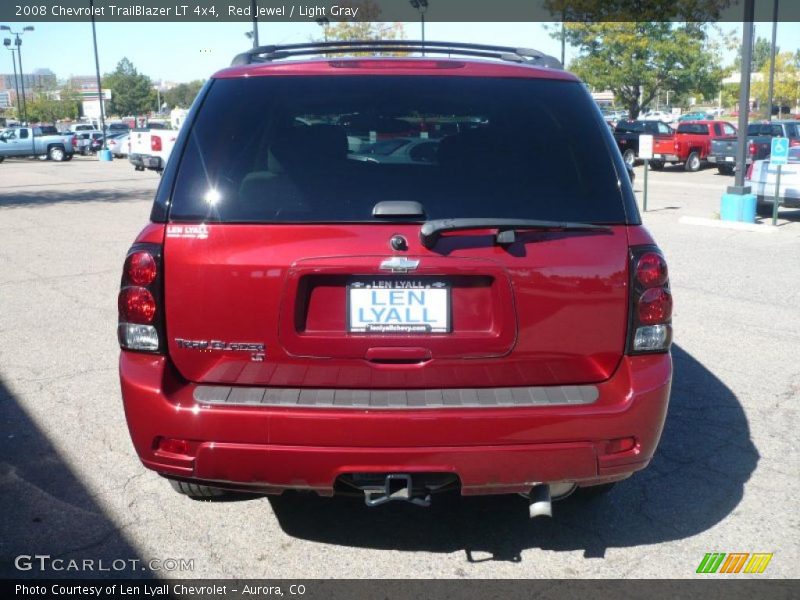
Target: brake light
<point>141,321</point>
<point>136,305</point>
<point>650,318</point>
<point>794,141</point>
<point>751,149</point>
<point>155,143</point>
<point>396,64</point>
<point>677,146</point>
<point>749,174</point>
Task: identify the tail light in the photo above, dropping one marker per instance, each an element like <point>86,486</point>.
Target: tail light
<point>794,141</point>
<point>650,318</point>
<point>677,146</point>
<point>141,316</point>
<point>74,141</point>
<point>751,149</point>
<point>749,174</point>
<point>155,143</point>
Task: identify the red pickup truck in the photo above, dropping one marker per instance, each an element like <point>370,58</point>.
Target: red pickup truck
<point>691,143</point>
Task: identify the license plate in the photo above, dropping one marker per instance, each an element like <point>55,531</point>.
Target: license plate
<point>398,306</point>
<point>729,159</point>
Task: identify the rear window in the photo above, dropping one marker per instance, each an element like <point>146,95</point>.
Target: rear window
<point>327,149</point>
<point>694,128</point>
<point>629,127</point>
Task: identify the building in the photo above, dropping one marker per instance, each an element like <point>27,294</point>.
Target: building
<point>6,99</point>
<point>39,80</point>
<point>82,82</point>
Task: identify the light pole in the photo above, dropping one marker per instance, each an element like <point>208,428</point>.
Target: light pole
<point>772,61</point>
<point>7,44</point>
<point>421,6</point>
<point>324,22</point>
<point>253,8</point>
<point>18,44</point>
<point>99,83</point>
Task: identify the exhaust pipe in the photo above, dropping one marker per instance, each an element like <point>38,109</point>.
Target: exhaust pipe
<point>539,502</point>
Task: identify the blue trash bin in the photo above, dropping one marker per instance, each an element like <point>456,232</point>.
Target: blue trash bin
<point>738,207</point>
<point>105,155</point>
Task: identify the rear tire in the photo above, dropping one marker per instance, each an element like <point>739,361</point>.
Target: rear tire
<point>657,165</point>
<point>629,156</point>
<point>764,209</point>
<point>725,170</point>
<point>2,158</point>
<point>595,491</point>
<point>196,491</point>
<point>56,153</point>
<point>693,162</point>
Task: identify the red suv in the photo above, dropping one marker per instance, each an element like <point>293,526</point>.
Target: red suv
<point>301,313</point>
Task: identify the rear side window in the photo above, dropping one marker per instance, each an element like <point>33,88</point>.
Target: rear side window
<point>629,127</point>
<point>694,128</point>
<point>327,149</point>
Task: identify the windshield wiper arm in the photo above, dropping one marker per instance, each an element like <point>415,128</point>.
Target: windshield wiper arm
<point>432,230</point>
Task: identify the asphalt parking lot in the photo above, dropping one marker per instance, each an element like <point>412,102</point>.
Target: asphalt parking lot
<point>726,477</point>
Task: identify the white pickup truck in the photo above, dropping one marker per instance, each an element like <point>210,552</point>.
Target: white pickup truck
<point>150,148</point>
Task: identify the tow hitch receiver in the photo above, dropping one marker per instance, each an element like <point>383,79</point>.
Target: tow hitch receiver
<point>397,486</point>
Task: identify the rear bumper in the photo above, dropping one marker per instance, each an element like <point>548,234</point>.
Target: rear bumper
<point>492,450</point>
<point>146,161</point>
<point>667,157</point>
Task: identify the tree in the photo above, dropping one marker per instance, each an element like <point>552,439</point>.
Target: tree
<point>366,27</point>
<point>761,54</point>
<point>786,90</point>
<point>132,93</point>
<point>182,95</point>
<point>640,49</point>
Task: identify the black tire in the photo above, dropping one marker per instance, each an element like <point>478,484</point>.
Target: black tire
<point>657,165</point>
<point>693,162</point>
<point>197,491</point>
<point>764,209</point>
<point>629,156</point>
<point>2,158</point>
<point>68,157</point>
<point>725,170</point>
<point>56,153</point>
<point>595,491</point>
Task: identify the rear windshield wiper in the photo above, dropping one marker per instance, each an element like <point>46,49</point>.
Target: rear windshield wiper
<point>432,230</point>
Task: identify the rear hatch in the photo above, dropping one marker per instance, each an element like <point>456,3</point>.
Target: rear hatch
<point>291,262</point>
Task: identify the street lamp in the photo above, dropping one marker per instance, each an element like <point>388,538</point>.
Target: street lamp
<point>253,11</point>
<point>18,44</point>
<point>99,85</point>
<point>421,6</point>
<point>7,44</point>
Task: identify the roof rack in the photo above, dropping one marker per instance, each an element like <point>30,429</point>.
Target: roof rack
<point>518,55</point>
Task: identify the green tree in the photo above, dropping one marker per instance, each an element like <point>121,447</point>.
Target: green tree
<point>640,49</point>
<point>786,90</point>
<point>761,54</point>
<point>182,95</point>
<point>132,92</point>
<point>366,27</point>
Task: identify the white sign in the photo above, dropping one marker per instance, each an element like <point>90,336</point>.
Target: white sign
<point>646,147</point>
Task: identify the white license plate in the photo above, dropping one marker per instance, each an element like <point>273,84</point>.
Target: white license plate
<point>729,159</point>
<point>398,306</point>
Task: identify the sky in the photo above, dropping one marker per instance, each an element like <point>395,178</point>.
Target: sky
<point>187,51</point>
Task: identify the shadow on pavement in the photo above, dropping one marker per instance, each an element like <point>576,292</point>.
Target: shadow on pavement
<point>695,480</point>
<point>46,510</point>
<point>40,195</point>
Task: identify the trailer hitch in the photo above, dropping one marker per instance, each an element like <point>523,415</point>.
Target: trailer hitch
<point>397,486</point>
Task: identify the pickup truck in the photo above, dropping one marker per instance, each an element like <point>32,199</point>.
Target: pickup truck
<point>627,133</point>
<point>150,148</point>
<point>759,143</point>
<point>691,144</point>
<point>35,141</point>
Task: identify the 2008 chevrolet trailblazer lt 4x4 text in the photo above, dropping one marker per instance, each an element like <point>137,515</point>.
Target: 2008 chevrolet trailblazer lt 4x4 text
<point>489,316</point>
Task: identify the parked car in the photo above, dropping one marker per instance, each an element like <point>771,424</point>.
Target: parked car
<point>294,318</point>
<point>762,177</point>
<point>399,151</point>
<point>86,141</point>
<point>35,141</point>
<point>151,148</point>
<point>691,143</point>
<point>759,143</point>
<point>657,115</point>
<point>627,133</point>
<point>119,145</point>
<point>695,116</point>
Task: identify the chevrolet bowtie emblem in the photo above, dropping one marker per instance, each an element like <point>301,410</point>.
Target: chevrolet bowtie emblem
<point>399,264</point>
